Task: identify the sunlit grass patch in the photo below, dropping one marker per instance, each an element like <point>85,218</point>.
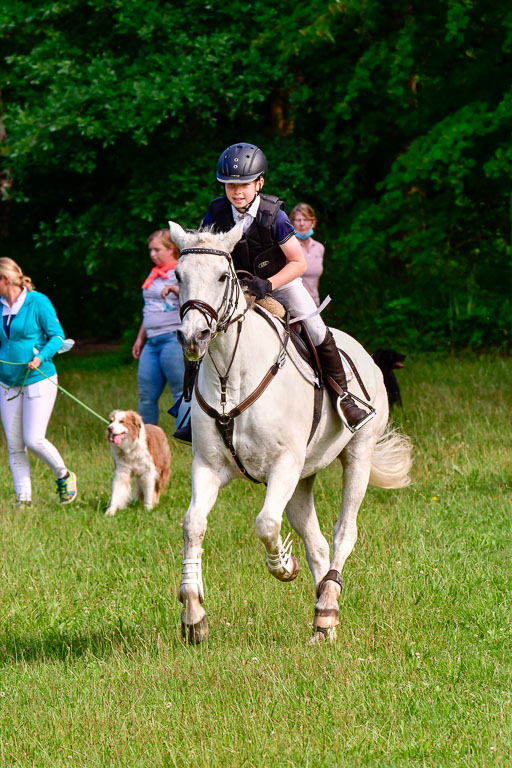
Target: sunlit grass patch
<point>92,668</point>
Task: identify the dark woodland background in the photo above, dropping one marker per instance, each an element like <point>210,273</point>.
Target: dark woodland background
<point>392,119</point>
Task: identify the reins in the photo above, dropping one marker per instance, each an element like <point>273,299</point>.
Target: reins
<point>209,313</point>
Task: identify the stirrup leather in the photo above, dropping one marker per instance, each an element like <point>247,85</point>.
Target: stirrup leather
<point>191,574</point>
<point>369,417</point>
<point>282,558</point>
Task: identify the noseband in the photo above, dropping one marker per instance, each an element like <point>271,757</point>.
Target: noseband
<point>229,300</point>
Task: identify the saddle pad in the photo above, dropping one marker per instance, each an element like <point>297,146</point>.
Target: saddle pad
<point>301,365</point>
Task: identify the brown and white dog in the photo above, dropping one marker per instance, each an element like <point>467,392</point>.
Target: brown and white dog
<point>141,451</point>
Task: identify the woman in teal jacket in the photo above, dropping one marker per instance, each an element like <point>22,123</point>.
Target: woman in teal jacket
<point>30,335</point>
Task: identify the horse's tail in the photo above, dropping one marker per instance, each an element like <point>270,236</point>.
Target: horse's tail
<point>391,460</point>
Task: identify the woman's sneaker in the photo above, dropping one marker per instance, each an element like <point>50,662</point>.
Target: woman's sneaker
<point>22,504</point>
<point>66,488</point>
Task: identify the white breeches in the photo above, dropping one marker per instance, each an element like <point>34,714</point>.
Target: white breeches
<point>296,298</point>
<point>25,419</point>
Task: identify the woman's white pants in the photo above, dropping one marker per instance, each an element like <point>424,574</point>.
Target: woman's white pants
<point>25,419</point>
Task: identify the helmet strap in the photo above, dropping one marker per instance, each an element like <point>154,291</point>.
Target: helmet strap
<point>246,208</point>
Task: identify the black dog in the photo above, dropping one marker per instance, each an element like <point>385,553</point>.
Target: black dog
<point>387,359</point>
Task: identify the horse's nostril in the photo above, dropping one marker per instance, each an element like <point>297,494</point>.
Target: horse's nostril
<point>180,337</point>
<point>204,335</point>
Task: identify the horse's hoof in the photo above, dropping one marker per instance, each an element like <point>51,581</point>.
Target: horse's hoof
<point>290,575</point>
<point>295,569</point>
<point>195,633</point>
<point>322,635</point>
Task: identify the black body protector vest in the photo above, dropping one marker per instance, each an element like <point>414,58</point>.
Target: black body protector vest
<point>257,252</point>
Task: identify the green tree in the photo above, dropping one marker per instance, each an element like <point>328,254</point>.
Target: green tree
<point>392,119</point>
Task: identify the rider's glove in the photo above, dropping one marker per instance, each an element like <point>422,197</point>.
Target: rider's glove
<point>259,287</point>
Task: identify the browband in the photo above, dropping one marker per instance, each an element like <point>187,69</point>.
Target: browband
<point>206,250</point>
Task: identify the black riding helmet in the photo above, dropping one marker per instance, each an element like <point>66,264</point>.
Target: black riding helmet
<point>241,163</point>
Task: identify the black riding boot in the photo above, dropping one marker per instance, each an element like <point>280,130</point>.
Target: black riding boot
<point>184,431</point>
<point>336,382</point>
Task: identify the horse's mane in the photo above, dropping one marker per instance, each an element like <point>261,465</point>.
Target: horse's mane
<point>205,236</point>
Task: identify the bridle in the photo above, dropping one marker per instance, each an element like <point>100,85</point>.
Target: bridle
<point>223,317</point>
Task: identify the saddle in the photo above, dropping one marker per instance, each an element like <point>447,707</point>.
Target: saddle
<point>299,334</point>
<point>304,346</point>
<point>303,343</point>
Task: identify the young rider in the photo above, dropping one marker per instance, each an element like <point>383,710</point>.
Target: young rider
<point>271,252</point>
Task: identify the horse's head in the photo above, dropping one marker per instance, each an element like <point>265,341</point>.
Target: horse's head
<point>209,289</point>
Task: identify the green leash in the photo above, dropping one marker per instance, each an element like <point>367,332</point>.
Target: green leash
<point>6,362</point>
<point>15,383</point>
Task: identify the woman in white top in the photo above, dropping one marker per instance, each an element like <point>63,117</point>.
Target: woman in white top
<point>304,220</point>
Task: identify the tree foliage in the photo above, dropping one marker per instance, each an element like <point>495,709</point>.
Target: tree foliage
<point>392,119</point>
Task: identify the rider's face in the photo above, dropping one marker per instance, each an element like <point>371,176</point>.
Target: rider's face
<point>241,195</point>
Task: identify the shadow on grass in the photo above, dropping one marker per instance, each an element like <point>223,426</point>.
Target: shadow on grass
<point>53,645</point>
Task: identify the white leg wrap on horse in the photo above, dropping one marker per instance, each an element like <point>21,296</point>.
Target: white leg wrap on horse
<point>283,558</point>
<point>191,574</point>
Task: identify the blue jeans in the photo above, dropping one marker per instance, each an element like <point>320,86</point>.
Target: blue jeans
<point>161,360</point>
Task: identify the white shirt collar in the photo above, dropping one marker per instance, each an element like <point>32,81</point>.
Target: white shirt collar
<point>249,215</point>
<point>8,310</point>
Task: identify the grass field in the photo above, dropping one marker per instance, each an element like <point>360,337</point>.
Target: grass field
<point>93,671</point>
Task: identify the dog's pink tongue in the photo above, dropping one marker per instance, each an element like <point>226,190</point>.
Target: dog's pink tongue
<point>117,438</point>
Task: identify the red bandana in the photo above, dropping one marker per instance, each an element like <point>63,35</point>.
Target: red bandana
<point>159,272</point>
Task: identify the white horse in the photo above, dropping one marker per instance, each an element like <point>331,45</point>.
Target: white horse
<point>266,409</point>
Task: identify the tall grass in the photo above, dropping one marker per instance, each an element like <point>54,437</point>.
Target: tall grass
<point>93,671</point>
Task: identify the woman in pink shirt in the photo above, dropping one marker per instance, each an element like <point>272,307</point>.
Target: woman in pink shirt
<point>304,220</point>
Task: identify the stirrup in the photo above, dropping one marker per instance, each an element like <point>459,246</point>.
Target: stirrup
<point>282,558</point>
<point>357,427</point>
<point>191,574</point>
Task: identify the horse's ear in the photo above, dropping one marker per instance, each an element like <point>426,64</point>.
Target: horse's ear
<point>231,238</point>
<point>178,234</point>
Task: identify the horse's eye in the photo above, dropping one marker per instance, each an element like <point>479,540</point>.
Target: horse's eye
<point>223,278</point>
